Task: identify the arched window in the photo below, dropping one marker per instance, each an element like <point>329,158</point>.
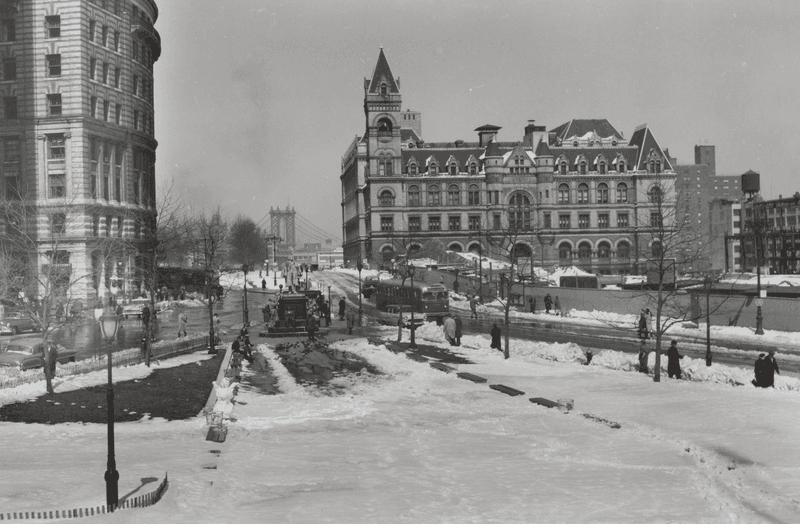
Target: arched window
<point>583,194</point>
<point>384,89</point>
<point>519,212</point>
<point>414,196</point>
<point>651,167</point>
<point>455,248</point>
<point>655,249</point>
<point>562,167</point>
<point>474,195</point>
<point>434,197</point>
<point>585,254</point>
<point>386,198</point>
<point>602,193</point>
<point>575,143</point>
<point>520,250</point>
<point>413,249</point>
<point>604,250</point>
<point>621,166</point>
<point>475,248</point>
<point>622,192</point>
<point>565,254</point>
<point>658,166</point>
<point>433,168</point>
<point>473,168</point>
<point>654,195</point>
<point>453,169</point>
<point>582,167</point>
<point>601,167</point>
<point>563,194</point>
<point>385,165</point>
<point>623,251</point>
<point>388,254</point>
<point>412,169</point>
<point>384,127</point>
<point>453,195</point>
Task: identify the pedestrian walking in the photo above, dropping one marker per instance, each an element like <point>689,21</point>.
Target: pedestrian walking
<point>342,305</point>
<point>326,311</point>
<point>217,329</point>
<point>644,353</point>
<point>449,329</point>
<point>548,303</point>
<point>263,283</point>
<point>589,356</point>
<point>648,320</point>
<point>673,360</point>
<point>50,359</point>
<point>400,326</point>
<point>557,305</point>
<point>351,320</point>
<point>145,316</point>
<point>459,325</point>
<point>473,307</point>
<point>496,337</point>
<point>532,304</point>
<point>758,381</point>
<point>770,368</point>
<point>311,327</point>
<point>455,286</point>
<point>182,321</point>
<point>642,326</point>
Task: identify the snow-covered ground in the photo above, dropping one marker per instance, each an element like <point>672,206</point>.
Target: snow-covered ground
<point>418,445</point>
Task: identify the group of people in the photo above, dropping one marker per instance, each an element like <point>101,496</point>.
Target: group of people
<point>673,360</point>
<point>645,326</point>
<point>765,369</point>
<point>452,326</point>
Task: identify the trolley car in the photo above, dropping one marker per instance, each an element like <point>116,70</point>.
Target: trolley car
<point>429,300</point>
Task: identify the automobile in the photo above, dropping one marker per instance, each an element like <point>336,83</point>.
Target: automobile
<point>369,286</point>
<point>27,352</point>
<point>14,322</point>
<point>134,307</point>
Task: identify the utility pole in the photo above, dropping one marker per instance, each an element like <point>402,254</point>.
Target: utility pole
<point>274,239</point>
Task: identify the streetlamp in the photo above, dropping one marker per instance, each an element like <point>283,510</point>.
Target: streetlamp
<point>359,266</point>
<point>413,344</point>
<point>109,322</point>
<point>246,319</point>
<point>209,282</point>
<point>758,228</point>
<point>328,314</point>
<point>707,286</point>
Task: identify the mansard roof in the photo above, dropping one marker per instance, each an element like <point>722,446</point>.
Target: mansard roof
<point>579,127</point>
<point>644,140</point>
<point>383,73</point>
<point>629,153</point>
<point>408,135</point>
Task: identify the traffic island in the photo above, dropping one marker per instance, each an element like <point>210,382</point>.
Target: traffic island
<point>316,363</point>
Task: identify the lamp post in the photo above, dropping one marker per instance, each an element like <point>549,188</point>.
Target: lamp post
<point>209,282</point>
<point>328,309</point>
<point>413,344</point>
<point>758,229</point>
<point>707,285</point>
<point>109,322</point>
<point>359,266</point>
<point>246,318</point>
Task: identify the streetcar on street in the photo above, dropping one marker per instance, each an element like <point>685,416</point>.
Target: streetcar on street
<point>430,301</point>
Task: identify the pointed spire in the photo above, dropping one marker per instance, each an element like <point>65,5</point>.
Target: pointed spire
<point>383,73</point>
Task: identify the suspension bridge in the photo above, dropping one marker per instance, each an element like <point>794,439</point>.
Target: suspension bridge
<point>290,231</point>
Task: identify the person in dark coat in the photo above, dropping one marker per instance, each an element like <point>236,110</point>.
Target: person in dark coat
<point>351,320</point>
<point>548,303</point>
<point>459,325</point>
<point>311,327</point>
<point>758,381</point>
<point>673,360</point>
<point>145,316</point>
<point>50,359</point>
<point>342,305</point>
<point>644,352</point>
<point>496,337</point>
<point>455,286</point>
<point>769,369</point>
<point>642,327</point>
<point>263,284</point>
<point>532,303</point>
<point>473,307</point>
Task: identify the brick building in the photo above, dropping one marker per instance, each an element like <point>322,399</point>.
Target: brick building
<point>77,142</point>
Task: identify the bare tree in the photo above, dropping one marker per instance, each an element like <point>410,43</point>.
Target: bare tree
<point>247,243</point>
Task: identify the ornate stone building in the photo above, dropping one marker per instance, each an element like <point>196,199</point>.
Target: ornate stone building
<point>578,194</point>
<point>77,136</point>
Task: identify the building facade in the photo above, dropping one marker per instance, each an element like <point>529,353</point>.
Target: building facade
<point>77,135</point>
<point>580,194</point>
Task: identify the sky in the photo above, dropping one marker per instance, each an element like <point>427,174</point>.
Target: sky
<point>257,101</point>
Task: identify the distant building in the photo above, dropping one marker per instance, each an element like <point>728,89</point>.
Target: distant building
<point>328,259</point>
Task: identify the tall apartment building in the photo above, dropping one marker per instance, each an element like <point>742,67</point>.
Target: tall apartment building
<point>578,194</point>
<point>77,135</point>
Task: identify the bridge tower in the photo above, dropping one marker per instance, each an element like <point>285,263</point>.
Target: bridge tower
<point>282,226</point>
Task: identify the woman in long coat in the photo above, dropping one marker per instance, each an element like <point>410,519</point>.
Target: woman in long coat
<point>495,337</point>
<point>341,308</point>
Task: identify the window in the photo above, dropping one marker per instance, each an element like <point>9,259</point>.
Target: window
<point>548,221</point>
<point>601,167</point>
<point>117,73</point>
<point>384,124</point>
<point>602,193</point>
<point>414,223</point>
<point>386,198</point>
<point>92,27</point>
<point>92,67</point>
<point>474,222</point>
<point>562,167</point>
<point>454,223</point>
<point>58,223</point>
<point>135,49</point>
<point>453,169</point>
<point>119,152</point>
<point>622,219</point>
<point>655,219</point>
<point>10,107</point>
<point>584,252</point>
<point>56,184</point>
<point>117,113</point>
<point>414,196</point>
<point>135,85</point>
<point>8,30</point>
<point>519,212</point>
<point>412,169</point>
<point>563,194</point>
<point>473,195</point>
<point>53,65</point>
<point>497,222</point>
<point>120,226</point>
<point>93,107</point>
<point>453,195</point>
<point>473,168</point>
<point>56,147</point>
<point>116,40</point>
<point>434,223</point>
<point>384,89</point>
<point>11,185</point>
<point>621,166</point>
<point>583,194</point>
<point>10,68</point>
<point>94,153</point>
<point>387,223</point>
<point>109,222</point>
<point>434,197</point>
<point>565,254</point>
<point>623,251</point>
<point>105,73</point>
<point>96,225</point>
<point>106,106</point>
<point>655,249</point>
<point>622,193</point>
<point>104,36</point>
<point>604,251</point>
<point>433,169</point>
<point>583,221</point>
<point>602,220</point>
<point>564,221</point>
<point>53,24</point>
<point>582,167</point>
<point>136,120</point>
<point>654,195</point>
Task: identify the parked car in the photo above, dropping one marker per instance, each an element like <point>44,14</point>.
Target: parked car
<point>134,307</point>
<point>28,353</point>
<point>14,322</point>
<point>369,286</point>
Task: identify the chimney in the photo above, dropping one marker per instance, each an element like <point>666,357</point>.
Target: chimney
<point>533,135</point>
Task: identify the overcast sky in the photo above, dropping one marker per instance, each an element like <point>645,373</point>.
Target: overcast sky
<point>256,101</point>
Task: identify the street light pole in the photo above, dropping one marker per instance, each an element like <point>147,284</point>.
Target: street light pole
<point>759,247</point>
<point>708,321</point>
<point>359,266</point>
<point>245,313</point>
<point>413,344</point>
<point>109,322</point>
